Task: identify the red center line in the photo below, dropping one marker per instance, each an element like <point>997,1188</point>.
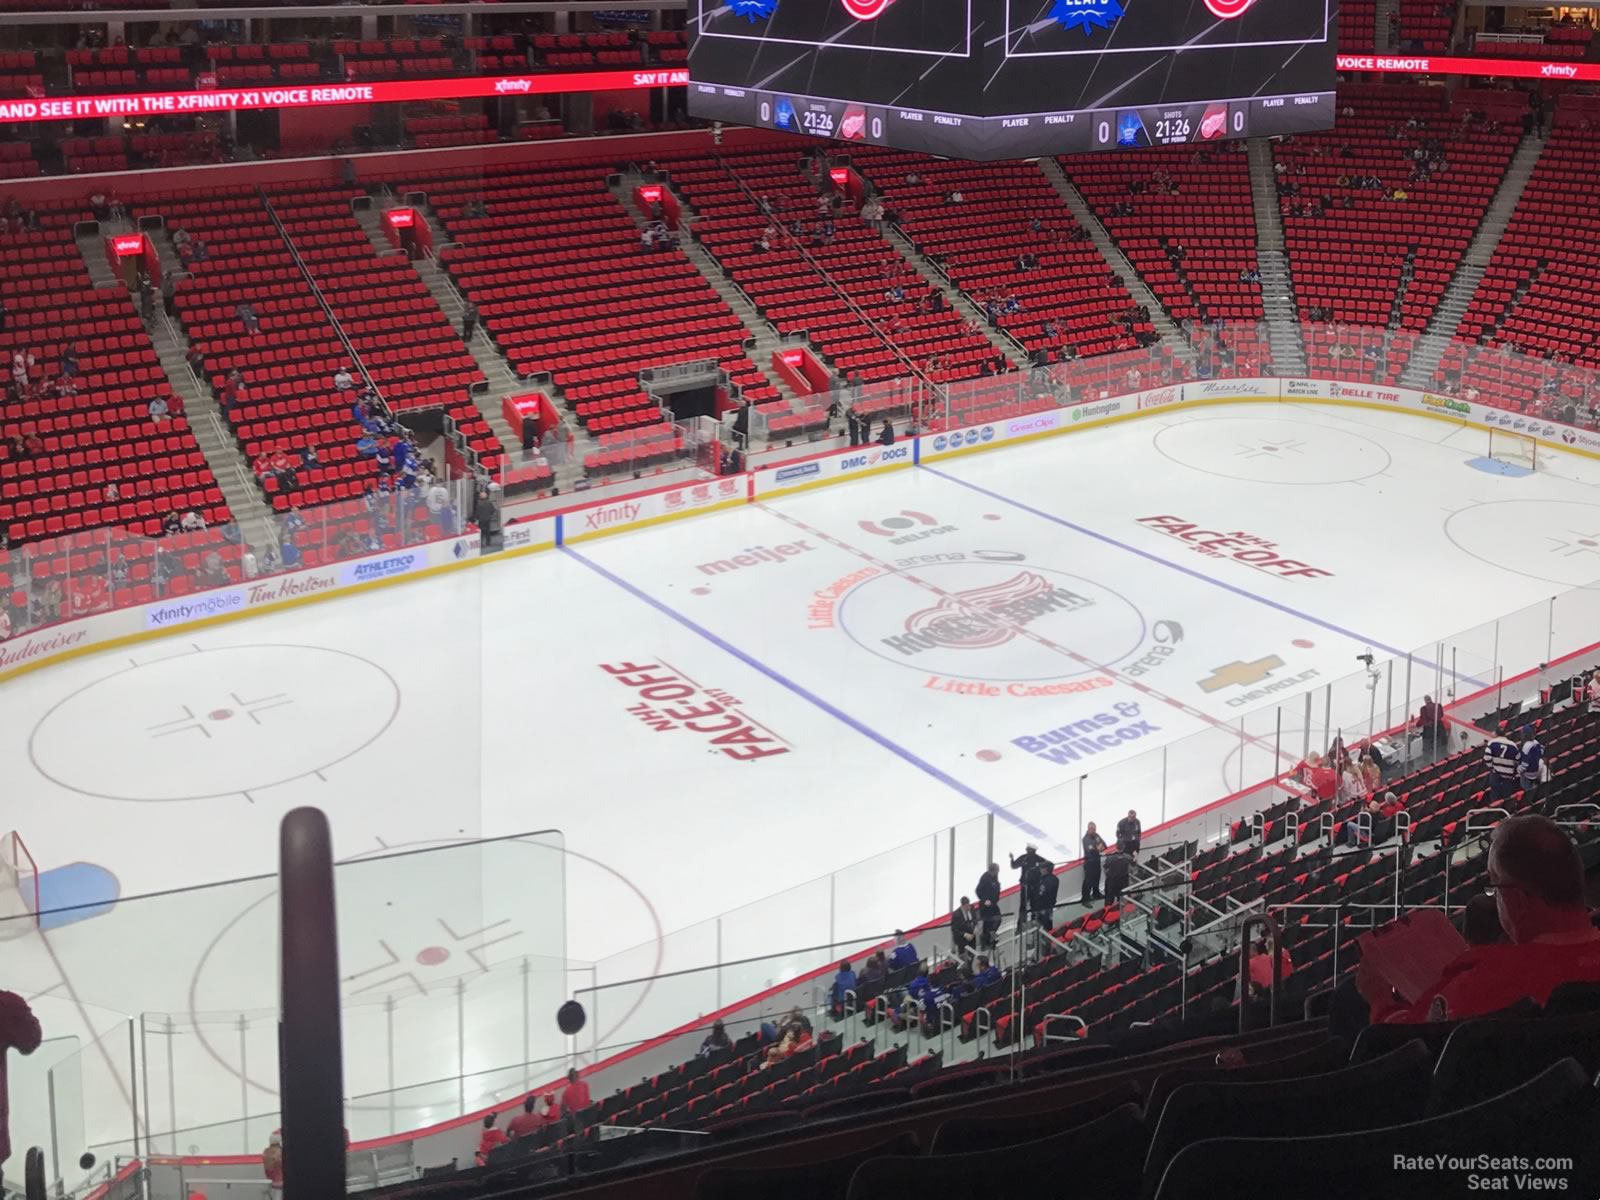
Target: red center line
<point>1040,639</point>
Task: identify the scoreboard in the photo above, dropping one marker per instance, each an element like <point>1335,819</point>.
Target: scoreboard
<point>985,79</point>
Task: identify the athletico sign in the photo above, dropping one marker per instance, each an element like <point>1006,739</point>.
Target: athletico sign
<point>155,104</point>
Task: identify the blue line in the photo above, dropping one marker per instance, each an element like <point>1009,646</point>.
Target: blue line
<point>812,698</point>
<point>1200,575</point>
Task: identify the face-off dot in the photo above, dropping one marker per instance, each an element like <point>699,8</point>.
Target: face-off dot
<point>991,516</point>
<point>1303,643</point>
<point>432,956</point>
<point>988,756</point>
<point>700,591</point>
<point>219,714</point>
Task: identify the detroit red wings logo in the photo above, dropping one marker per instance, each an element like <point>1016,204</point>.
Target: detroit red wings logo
<point>865,10</point>
<point>1228,9</point>
<point>977,619</point>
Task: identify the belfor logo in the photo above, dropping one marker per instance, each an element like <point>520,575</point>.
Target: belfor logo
<point>1241,674</point>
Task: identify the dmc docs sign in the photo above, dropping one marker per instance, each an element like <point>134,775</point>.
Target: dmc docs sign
<point>153,104</point>
<point>829,468</point>
<point>610,516</point>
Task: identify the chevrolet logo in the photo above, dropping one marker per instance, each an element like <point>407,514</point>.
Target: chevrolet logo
<point>1242,674</point>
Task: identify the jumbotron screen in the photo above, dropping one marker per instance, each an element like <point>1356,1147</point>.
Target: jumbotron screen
<point>989,79</point>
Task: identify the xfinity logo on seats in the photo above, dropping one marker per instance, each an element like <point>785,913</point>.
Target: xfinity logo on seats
<point>1082,739</point>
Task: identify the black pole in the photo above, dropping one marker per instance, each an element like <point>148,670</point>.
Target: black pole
<point>311,1063</point>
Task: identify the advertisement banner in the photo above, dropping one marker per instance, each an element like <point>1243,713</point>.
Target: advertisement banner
<point>1216,389</point>
<point>852,463</point>
<point>1482,68</point>
<point>154,104</point>
<point>646,508</point>
<point>536,534</point>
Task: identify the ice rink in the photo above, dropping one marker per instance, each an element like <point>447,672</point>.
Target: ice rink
<point>725,709</point>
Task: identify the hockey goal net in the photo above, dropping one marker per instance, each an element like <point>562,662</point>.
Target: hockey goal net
<point>1515,449</point>
<point>19,888</point>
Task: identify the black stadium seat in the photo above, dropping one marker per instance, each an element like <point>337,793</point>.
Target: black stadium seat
<point>813,1181</point>
<point>1112,1142</point>
<point>1553,1114</point>
<point>967,1135</point>
<point>1484,1058</point>
<point>1383,1091</point>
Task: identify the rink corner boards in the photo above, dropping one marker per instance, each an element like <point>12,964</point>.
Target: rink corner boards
<point>769,477</point>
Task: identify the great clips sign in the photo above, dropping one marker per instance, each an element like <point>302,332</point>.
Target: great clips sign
<point>152,104</point>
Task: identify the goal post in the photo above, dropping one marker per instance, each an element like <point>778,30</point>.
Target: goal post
<point>19,889</point>
<point>1514,449</point>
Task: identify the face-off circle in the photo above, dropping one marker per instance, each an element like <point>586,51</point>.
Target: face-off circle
<point>1556,541</point>
<point>223,722</point>
<point>1265,450</point>
<point>991,620</point>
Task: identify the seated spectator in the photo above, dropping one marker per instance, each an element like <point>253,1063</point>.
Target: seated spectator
<point>343,380</point>
<point>904,953</point>
<point>289,554</point>
<point>955,197</point>
<point>873,970</point>
<point>716,1042</point>
<point>984,973</point>
<point>490,1139</point>
<point>529,1120</point>
<point>246,313</point>
<point>192,522</point>
<point>886,435</point>
<point>1536,875</point>
<point>844,981</point>
<point>1261,967</point>
<point>1480,921</point>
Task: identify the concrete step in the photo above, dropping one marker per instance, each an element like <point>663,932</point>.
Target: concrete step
<point>1277,284</point>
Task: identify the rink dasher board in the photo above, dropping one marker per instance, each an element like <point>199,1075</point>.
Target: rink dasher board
<point>102,631</point>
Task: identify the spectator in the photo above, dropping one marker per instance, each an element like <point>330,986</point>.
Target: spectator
<point>1536,875</point>
<point>955,197</point>
<point>1480,921</point>
<point>249,566</point>
<point>157,409</point>
<point>289,555</point>
<point>1093,846</point>
<point>964,928</point>
<point>1129,831</point>
<point>192,522</point>
<point>1432,724</point>
<point>528,1120</point>
<point>575,1096</point>
<point>490,1139</point>
<point>19,1031</point>
<point>1500,754</point>
<point>1320,777</point>
<point>1593,693</point>
<point>113,493</point>
<point>1116,871</point>
<point>272,1161</point>
<point>716,1041</point>
<point>469,321</point>
<point>904,953</point>
<point>1532,770</point>
<point>875,970</point>
<point>984,973</point>
<point>69,361</point>
<point>1046,886</point>
<point>343,380</point>
<point>1028,866</point>
<point>886,434</point>
<point>246,313</point>
<point>844,981</point>
<point>1260,967</point>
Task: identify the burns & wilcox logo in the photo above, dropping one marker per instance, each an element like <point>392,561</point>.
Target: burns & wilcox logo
<point>1078,740</point>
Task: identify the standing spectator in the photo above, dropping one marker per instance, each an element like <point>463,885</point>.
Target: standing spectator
<point>1116,868</point>
<point>575,1096</point>
<point>844,981</point>
<point>1046,886</point>
<point>964,928</point>
<point>1029,866</point>
<point>469,321</point>
<point>1431,722</point>
<point>272,1161</point>
<point>1531,767</point>
<point>1093,846</point>
<point>491,1139</point>
<point>1129,831</point>
<point>1261,967</point>
<point>246,313</point>
<point>19,1031</point>
<point>529,1121</point>
<point>854,423</point>
<point>1500,754</point>
<point>169,295</point>
<point>988,893</point>
<point>1594,693</point>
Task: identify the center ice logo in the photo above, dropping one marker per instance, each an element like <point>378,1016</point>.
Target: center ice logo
<point>984,617</point>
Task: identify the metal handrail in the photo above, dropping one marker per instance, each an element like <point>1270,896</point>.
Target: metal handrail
<point>1270,923</point>
<point>1048,1038</point>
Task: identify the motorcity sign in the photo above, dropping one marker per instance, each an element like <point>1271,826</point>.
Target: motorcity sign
<point>154,104</point>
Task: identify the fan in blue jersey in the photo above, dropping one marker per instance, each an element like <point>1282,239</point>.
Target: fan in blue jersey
<point>1501,755</point>
<point>1531,769</point>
